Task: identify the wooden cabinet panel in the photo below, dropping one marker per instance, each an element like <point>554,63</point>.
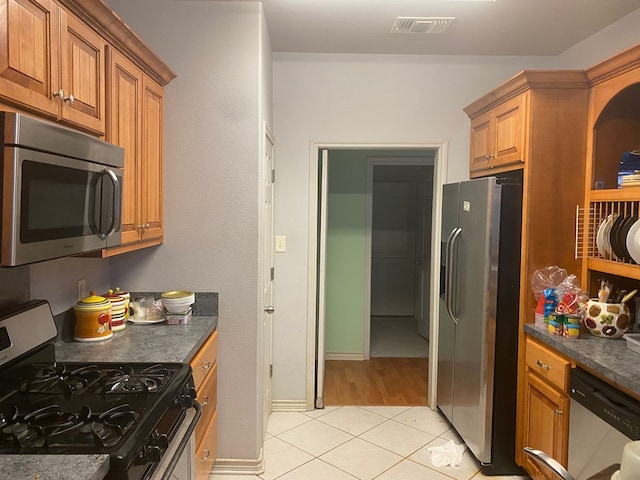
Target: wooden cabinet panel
<point>29,54</point>
<point>482,145</point>
<point>124,83</point>
<point>552,367</point>
<point>203,361</point>
<point>208,398</point>
<point>510,119</point>
<point>152,159</point>
<point>546,412</point>
<point>207,450</point>
<point>82,74</point>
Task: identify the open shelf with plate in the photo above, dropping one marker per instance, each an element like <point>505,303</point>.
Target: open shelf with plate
<point>612,213</point>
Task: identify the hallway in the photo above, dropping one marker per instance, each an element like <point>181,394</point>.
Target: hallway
<point>359,443</point>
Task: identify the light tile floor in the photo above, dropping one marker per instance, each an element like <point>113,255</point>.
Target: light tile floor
<point>359,443</point>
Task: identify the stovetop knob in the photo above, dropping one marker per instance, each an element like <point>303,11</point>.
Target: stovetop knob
<point>160,440</point>
<point>187,397</point>
<point>152,453</point>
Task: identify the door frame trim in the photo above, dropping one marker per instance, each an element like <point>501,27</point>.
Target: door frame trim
<point>439,179</point>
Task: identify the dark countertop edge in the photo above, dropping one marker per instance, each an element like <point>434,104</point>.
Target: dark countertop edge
<point>609,357</point>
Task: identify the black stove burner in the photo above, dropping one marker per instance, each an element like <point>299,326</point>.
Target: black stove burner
<point>93,378</point>
<point>52,426</point>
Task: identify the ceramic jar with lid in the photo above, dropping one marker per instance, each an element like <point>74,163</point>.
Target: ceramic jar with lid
<point>127,301</point>
<point>93,319</point>
<point>118,310</point>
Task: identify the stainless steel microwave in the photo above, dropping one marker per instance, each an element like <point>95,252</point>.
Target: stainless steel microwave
<point>61,191</point>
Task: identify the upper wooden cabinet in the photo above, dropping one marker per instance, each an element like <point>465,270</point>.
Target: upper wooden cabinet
<point>136,124</point>
<point>52,64</point>
<point>76,62</point>
<point>498,136</point>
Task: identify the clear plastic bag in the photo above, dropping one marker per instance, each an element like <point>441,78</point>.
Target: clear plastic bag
<point>555,290</point>
<point>548,277</point>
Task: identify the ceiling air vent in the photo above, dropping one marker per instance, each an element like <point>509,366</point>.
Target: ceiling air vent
<point>421,24</point>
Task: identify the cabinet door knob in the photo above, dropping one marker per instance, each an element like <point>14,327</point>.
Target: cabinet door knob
<point>205,454</point>
<point>69,99</point>
<point>558,412</point>
<point>488,156</point>
<point>543,365</point>
<point>205,402</point>
<point>59,94</point>
<point>206,365</point>
<point>269,309</point>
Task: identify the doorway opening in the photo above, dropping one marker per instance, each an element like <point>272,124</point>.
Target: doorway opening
<point>373,267</point>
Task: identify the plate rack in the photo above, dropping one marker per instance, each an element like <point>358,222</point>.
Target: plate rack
<point>601,218</point>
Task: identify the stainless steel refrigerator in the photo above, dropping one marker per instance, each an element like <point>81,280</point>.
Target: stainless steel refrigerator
<point>478,324</point>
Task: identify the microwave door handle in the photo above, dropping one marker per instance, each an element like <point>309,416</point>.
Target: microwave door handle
<point>116,203</point>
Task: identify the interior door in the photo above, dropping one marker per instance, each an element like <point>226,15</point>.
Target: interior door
<point>267,276</point>
<point>322,265</point>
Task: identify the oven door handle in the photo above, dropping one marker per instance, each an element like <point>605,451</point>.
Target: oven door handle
<point>183,442</point>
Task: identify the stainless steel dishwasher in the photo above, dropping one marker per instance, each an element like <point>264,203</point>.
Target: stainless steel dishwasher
<point>602,420</point>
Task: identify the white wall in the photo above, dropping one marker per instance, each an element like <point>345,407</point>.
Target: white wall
<point>358,98</point>
<point>607,42</point>
<point>214,111</point>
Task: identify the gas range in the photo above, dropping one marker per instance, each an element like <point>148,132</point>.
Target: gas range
<point>135,412</point>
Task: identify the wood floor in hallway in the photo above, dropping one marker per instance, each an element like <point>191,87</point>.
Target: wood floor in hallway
<point>378,381</point>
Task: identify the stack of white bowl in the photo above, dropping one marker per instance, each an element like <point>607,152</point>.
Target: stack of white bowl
<point>177,301</point>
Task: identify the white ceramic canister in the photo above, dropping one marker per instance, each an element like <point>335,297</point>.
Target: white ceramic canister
<point>118,320</point>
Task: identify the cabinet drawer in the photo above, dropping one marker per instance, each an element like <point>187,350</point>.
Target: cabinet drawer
<point>208,398</point>
<point>549,365</point>
<point>205,359</point>
<point>206,452</point>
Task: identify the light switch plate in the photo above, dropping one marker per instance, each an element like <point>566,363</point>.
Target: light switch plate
<point>281,244</point>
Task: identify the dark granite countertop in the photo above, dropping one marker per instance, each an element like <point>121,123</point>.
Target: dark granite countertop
<point>609,357</point>
<point>53,467</point>
<point>136,343</point>
<point>157,342</point>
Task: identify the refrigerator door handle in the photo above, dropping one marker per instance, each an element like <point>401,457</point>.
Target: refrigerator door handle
<point>451,269</point>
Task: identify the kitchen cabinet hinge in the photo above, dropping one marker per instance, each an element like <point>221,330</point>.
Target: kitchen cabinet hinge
<point>273,273</point>
<point>270,371</point>
<point>273,176</point>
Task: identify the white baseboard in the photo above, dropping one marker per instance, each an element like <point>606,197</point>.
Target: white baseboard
<point>344,356</point>
<point>288,406</point>
<point>235,466</point>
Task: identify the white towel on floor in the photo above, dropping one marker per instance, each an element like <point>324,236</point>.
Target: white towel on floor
<point>449,454</point>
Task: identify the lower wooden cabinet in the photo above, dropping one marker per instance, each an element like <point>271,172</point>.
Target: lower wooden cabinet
<point>546,406</point>
<point>207,449</point>
<point>205,376</point>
